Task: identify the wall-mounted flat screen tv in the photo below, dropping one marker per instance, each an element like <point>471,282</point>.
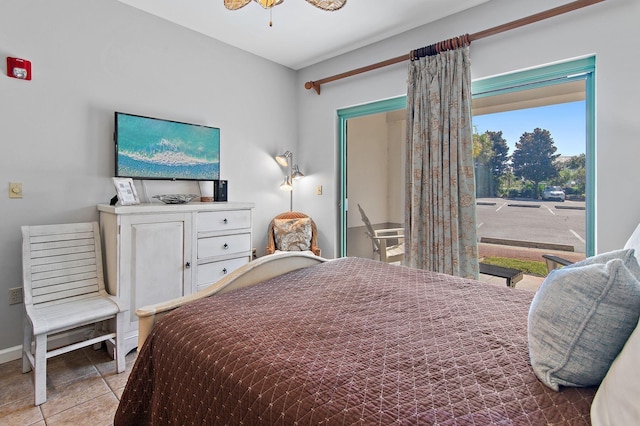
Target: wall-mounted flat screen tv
<point>153,148</point>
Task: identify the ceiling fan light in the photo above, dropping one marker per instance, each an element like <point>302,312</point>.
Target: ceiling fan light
<point>268,4</point>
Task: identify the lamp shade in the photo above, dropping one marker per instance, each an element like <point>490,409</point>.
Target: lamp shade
<point>286,184</point>
<point>296,173</point>
<point>283,159</point>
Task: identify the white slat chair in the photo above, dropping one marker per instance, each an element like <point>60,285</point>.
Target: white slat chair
<point>64,289</point>
<point>388,243</point>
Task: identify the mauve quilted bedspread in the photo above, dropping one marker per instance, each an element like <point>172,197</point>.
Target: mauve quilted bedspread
<point>351,341</point>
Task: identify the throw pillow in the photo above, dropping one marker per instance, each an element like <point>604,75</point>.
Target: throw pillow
<point>292,234</point>
<point>627,256</point>
<point>579,320</point>
<point>618,397</point>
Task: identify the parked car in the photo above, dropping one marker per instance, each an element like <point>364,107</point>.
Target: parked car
<point>553,193</point>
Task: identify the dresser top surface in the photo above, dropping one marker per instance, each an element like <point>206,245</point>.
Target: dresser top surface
<point>193,206</point>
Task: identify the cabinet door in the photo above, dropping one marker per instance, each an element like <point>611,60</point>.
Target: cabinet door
<point>159,257</point>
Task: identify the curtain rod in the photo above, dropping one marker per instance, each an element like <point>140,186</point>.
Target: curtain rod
<point>569,7</point>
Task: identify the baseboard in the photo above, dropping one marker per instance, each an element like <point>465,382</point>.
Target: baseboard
<point>62,339</point>
<point>10,354</point>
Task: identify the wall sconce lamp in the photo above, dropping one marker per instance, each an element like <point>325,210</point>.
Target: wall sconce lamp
<point>286,160</point>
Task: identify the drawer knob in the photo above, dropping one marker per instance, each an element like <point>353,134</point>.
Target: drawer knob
<point>187,265</point>
<point>224,271</point>
<point>225,221</point>
<point>225,246</point>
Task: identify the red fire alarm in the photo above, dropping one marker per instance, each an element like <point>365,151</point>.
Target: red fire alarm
<point>19,68</point>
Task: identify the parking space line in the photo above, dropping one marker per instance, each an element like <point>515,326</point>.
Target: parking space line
<point>550,211</point>
<point>504,204</point>
<point>575,234</point>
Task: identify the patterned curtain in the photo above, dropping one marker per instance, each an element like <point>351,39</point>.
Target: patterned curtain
<point>440,215</point>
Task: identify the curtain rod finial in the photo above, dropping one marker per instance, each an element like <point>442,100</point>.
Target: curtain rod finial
<point>312,85</point>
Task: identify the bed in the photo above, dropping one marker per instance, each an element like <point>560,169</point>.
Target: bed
<point>346,341</point>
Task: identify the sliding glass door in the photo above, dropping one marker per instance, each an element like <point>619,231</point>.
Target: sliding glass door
<point>544,86</point>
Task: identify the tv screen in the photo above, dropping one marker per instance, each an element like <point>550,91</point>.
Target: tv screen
<point>152,148</point>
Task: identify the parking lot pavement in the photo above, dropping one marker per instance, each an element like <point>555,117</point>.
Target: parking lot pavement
<point>542,222</point>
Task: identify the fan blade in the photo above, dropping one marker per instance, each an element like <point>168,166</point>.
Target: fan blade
<point>329,5</point>
<point>235,4</point>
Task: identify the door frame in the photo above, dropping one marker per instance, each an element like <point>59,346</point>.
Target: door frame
<point>564,72</point>
<point>386,105</point>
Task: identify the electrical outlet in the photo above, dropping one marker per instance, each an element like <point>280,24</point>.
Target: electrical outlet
<point>15,295</point>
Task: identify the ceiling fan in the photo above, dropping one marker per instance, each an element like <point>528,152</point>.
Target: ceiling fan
<point>329,5</point>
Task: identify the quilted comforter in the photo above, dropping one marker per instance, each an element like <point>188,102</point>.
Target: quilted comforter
<point>350,341</point>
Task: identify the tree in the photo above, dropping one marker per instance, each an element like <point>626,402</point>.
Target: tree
<point>482,149</point>
<point>533,158</point>
<point>500,157</point>
<point>576,162</point>
<point>482,154</point>
<point>575,172</point>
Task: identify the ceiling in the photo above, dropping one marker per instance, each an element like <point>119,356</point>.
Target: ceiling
<point>302,34</point>
<point>552,94</point>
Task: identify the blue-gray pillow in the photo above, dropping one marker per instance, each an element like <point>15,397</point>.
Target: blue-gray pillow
<point>580,319</point>
<point>627,256</point>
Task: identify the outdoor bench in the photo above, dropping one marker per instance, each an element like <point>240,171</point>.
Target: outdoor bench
<point>512,275</point>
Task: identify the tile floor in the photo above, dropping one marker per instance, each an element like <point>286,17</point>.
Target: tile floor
<point>82,386</point>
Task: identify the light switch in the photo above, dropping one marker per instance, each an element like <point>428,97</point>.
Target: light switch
<point>319,190</point>
<point>15,190</point>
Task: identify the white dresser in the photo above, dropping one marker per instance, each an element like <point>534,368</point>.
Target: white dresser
<point>156,252</point>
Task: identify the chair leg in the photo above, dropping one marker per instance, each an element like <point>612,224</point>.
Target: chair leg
<point>119,340</point>
<point>26,346</point>
<point>97,330</point>
<point>40,369</point>
<point>383,251</point>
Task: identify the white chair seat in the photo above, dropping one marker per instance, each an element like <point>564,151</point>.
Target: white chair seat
<point>74,313</point>
<point>397,250</point>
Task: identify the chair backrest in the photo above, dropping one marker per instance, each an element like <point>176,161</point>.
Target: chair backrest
<point>370,232</point>
<point>271,243</point>
<point>60,262</point>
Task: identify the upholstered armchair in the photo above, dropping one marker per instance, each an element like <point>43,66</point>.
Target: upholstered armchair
<point>292,231</point>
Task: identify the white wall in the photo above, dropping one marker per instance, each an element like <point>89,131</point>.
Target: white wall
<point>606,29</point>
<point>92,58</point>
<point>375,172</point>
<point>367,170</point>
<point>396,135</point>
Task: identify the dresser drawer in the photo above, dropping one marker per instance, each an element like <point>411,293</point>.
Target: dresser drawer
<point>223,245</point>
<point>209,273</point>
<point>225,220</point>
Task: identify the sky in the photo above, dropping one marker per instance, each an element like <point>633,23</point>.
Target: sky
<point>566,123</point>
